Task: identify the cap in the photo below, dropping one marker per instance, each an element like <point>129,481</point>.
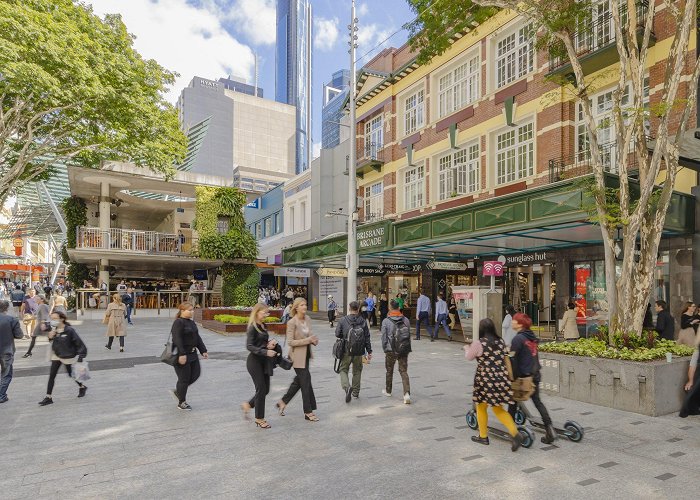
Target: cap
<point>330,296</point>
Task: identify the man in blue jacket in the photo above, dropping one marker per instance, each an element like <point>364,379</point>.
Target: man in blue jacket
<point>9,331</point>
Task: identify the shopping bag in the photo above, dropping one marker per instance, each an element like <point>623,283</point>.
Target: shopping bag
<point>81,371</point>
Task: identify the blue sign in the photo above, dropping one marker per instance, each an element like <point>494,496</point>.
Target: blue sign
<point>254,204</point>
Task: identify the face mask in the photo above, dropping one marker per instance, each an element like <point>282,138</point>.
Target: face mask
<point>54,323</point>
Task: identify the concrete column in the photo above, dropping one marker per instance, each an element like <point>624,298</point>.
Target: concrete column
<point>696,244</point>
<point>104,274</point>
<point>104,226</point>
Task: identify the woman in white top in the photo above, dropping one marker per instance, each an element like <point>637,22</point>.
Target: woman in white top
<point>507,328</point>
<point>568,323</point>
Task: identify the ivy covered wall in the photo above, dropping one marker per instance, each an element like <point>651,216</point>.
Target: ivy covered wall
<point>222,235</point>
<point>75,212</point>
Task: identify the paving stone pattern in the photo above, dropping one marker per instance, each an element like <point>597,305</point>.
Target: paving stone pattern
<point>126,439</point>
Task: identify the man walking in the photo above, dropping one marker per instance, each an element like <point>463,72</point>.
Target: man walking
<point>331,307</point>
<point>441,319</point>
<point>423,314</point>
<point>396,343</point>
<point>353,328</point>
<point>9,331</point>
<point>128,301</point>
<point>665,326</point>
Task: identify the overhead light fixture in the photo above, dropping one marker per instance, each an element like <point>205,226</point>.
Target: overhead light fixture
<point>180,210</point>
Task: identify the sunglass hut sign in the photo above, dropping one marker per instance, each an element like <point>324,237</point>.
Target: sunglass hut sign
<point>370,238</point>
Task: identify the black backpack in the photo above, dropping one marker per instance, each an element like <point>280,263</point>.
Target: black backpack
<point>356,340</point>
<point>400,339</point>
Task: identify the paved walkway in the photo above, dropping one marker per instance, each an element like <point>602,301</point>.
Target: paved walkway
<point>126,439</point>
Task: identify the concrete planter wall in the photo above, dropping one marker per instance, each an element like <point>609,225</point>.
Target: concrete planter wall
<point>651,388</point>
<point>208,314</point>
<point>218,326</point>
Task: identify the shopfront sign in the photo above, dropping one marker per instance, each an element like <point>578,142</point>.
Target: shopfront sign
<point>401,268</point>
<point>293,272</point>
<point>493,268</point>
<point>447,266</point>
<point>332,272</point>
<point>526,258</point>
<point>370,271</point>
<point>375,236</point>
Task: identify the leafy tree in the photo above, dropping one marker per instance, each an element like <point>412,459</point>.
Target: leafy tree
<point>639,208</point>
<point>73,89</point>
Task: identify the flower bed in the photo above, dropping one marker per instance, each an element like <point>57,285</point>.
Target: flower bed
<point>629,348</point>
<point>240,320</point>
<point>209,312</point>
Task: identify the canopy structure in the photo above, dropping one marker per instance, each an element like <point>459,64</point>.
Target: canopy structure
<point>35,221</point>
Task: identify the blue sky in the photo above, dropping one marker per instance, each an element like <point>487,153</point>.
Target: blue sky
<point>213,38</point>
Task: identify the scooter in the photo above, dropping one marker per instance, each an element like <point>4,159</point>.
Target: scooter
<point>526,432</point>
<point>571,430</point>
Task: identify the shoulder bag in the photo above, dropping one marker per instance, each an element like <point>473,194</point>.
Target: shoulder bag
<point>522,387</point>
<point>168,356</point>
<point>284,362</point>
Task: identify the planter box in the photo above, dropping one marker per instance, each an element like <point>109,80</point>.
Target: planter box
<point>209,313</point>
<point>650,388</point>
<point>217,326</point>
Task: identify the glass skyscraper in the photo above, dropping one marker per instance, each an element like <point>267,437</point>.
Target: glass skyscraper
<point>334,94</point>
<point>293,70</point>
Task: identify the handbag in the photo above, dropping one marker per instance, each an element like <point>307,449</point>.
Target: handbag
<point>523,388</point>
<point>284,362</point>
<point>27,318</point>
<point>168,356</point>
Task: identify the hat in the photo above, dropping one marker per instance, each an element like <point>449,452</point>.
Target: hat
<point>330,296</point>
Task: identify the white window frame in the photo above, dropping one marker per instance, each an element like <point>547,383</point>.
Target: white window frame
<point>515,55</point>
<point>414,112</point>
<point>515,153</point>
<point>602,107</point>
<point>460,86</point>
<point>413,183</point>
<point>459,172</point>
<point>374,136</point>
<point>374,201</point>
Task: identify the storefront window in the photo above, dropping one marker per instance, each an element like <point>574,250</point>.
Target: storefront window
<point>407,286</point>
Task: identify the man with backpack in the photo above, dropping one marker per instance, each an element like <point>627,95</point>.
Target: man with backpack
<point>353,329</point>
<point>396,342</point>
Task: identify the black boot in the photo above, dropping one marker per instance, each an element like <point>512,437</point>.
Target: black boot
<point>550,435</point>
<point>480,440</point>
<point>516,442</point>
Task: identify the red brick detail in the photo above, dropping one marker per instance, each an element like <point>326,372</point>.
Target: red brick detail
<point>411,139</point>
<point>408,215</point>
<point>512,91</point>
<point>374,109</point>
<point>513,188</point>
<point>462,115</point>
<point>458,202</point>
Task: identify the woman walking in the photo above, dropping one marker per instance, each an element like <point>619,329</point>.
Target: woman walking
<point>507,326</point>
<point>491,382</point>
<point>332,307</point>
<point>65,346</point>
<point>300,340</point>
<point>42,322</point>
<point>689,325</point>
<point>114,319</point>
<point>260,363</point>
<point>568,323</point>
<point>59,303</point>
<point>383,307</point>
<point>187,341</point>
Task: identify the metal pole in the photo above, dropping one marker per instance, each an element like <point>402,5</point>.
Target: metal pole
<point>351,259</point>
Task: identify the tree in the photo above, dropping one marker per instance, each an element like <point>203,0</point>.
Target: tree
<point>637,208</point>
<point>73,89</point>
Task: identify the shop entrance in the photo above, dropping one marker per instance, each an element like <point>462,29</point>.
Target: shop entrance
<point>532,290</point>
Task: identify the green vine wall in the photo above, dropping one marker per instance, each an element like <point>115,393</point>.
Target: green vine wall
<point>75,212</point>
<point>240,280</point>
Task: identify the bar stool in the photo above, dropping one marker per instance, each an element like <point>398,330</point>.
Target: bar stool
<point>141,301</point>
<point>216,301</point>
<point>151,301</point>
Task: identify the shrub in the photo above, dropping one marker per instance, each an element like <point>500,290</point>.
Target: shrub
<point>629,347</point>
<point>240,320</point>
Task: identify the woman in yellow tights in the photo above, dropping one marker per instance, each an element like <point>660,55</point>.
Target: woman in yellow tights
<point>491,382</point>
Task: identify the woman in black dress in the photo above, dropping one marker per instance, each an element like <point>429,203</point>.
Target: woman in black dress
<point>187,341</point>
<point>491,382</point>
<point>260,363</point>
<point>383,307</point>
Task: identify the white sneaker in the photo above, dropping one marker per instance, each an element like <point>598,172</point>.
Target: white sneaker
<point>407,399</point>
<point>387,394</point>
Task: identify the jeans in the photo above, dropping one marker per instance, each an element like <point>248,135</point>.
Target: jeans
<point>423,316</point>
<point>356,362</point>
<point>372,316</point>
<point>6,361</point>
<point>441,321</point>
<point>331,316</point>
<point>128,313</point>
<point>187,375</point>
<point>389,361</point>
<point>546,419</point>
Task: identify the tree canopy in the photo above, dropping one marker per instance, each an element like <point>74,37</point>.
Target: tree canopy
<point>73,89</point>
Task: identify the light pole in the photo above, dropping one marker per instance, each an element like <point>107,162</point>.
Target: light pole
<point>351,258</point>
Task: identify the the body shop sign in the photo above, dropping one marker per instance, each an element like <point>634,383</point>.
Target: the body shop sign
<point>376,236</point>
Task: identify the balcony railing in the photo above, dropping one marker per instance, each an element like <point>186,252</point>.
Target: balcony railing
<point>581,163</point>
<point>372,216</point>
<point>132,240</point>
<point>598,33</point>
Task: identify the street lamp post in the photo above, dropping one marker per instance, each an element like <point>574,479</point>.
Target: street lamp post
<point>351,258</point>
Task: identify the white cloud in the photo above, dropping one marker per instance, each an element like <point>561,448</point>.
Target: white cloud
<point>326,33</point>
<point>316,150</point>
<point>257,19</point>
<point>371,38</point>
<point>182,38</point>
<point>363,9</point>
